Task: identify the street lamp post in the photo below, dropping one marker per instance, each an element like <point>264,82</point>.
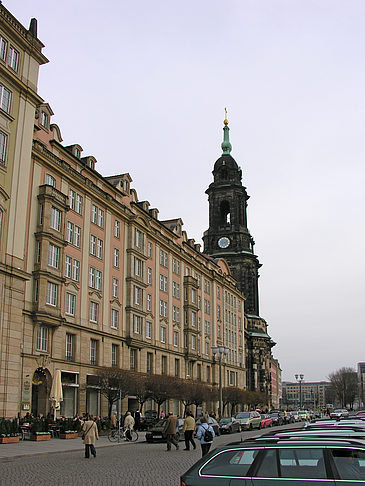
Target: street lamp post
<point>221,352</point>
<point>300,379</point>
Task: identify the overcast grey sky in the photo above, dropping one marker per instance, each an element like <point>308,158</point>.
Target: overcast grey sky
<point>142,86</point>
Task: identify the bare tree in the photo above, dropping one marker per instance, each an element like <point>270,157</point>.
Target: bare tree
<point>344,385</point>
<point>114,383</point>
<point>161,388</point>
<point>232,396</point>
<point>139,388</point>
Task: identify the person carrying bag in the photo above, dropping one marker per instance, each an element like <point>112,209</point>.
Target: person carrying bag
<point>89,435</point>
<point>205,433</point>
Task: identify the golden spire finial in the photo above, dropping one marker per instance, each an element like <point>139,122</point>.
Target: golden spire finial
<point>225,119</point>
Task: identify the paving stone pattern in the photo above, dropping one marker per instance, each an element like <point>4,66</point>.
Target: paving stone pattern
<point>62,463</point>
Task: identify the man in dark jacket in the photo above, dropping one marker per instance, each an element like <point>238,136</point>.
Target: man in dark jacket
<point>170,431</point>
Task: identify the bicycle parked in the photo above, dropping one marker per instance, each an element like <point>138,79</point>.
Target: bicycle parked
<point>121,433</point>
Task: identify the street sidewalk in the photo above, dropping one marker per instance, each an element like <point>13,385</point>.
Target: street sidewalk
<point>53,446</point>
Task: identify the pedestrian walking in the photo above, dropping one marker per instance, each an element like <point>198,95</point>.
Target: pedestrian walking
<point>113,420</point>
<point>169,431</point>
<point>205,433</point>
<point>128,425</point>
<point>188,429</point>
<point>137,420</point>
<point>89,435</point>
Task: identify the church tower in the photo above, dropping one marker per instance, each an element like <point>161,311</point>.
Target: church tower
<point>228,237</point>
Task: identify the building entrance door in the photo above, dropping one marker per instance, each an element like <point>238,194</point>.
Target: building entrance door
<point>40,392</point>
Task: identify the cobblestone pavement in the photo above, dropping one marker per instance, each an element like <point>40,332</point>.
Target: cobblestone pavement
<point>131,464</point>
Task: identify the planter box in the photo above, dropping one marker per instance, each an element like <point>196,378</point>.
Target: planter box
<point>69,436</point>
<point>40,437</point>
<point>9,440</point>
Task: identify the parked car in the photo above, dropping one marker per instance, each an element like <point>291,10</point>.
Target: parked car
<point>155,433</point>
<point>249,420</point>
<point>295,414</point>
<point>338,413</point>
<point>266,420</point>
<point>148,419</point>
<point>277,418</point>
<point>227,425</point>
<point>280,462</point>
<point>213,423</point>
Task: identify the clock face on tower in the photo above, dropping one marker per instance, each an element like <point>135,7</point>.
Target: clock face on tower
<point>224,242</point>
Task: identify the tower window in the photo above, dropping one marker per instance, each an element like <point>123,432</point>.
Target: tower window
<point>225,212</point>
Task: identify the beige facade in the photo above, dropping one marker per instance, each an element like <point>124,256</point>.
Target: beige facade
<point>20,58</point>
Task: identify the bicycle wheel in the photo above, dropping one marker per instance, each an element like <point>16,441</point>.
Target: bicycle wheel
<point>113,436</point>
<point>134,436</point>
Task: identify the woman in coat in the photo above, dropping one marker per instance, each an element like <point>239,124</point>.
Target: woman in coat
<point>90,435</point>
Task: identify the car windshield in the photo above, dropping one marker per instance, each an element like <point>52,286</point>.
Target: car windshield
<point>243,415</point>
<point>275,414</point>
<point>160,423</point>
<point>224,420</point>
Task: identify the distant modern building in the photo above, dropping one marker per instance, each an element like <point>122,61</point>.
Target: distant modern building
<point>311,395</point>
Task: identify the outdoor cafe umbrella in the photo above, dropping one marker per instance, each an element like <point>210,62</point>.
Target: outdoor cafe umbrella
<point>56,395</point>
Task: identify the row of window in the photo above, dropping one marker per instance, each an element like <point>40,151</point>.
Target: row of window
<point>9,54</point>
<point>70,347</point>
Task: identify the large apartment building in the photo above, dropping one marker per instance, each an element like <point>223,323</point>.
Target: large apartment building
<point>90,277</point>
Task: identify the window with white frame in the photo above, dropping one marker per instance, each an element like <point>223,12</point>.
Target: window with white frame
<point>199,323</point>
<point>149,249</point>
<point>5,98</point>
<point>193,342</point>
<point>99,248</point>
<point>138,239</point>
<point>132,359</point>
<point>207,348</point>
<point>3,47</point>
<point>137,324</point>
<point>149,302</point>
<point>198,278</point>
<point>77,236</point>
<point>100,218</point>
<point>116,228</point>
<point>13,58</point>
<point>55,219</point>
<point>176,338</point>
<point>193,296</point>
<point>218,292</point>
<point>70,304</point>
<point>176,290</point>
<point>94,214</point>
<point>50,180</point>
<point>187,271</point>
<point>69,232</point>
<point>42,338</point>
<point>163,283</point>
<point>75,270</point>
<point>3,144</point>
<point>114,321</point>
<point>71,198</point>
<point>193,318</point>
<point>163,334</point>
<point>175,313</point>
<point>219,333</point>
<point>115,354</point>
<point>93,351</point>
<point>163,258</point>
<point>218,311</point>
<point>198,345</point>
<point>69,347</point>
<point>189,370</point>
<point>199,302</point>
<point>177,367</point>
<point>115,287</point>
<point>185,340</point>
<point>138,267</point>
<point>206,286</point>
<point>163,308</point>
<point>94,311</point>
<point>149,276</point>
<point>93,240</point>
<point>78,205</point>
<point>116,258</point>
<point>148,329</point>
<point>51,297</point>
<point>53,255</point>
<point>176,266</point>
<point>138,295</point>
